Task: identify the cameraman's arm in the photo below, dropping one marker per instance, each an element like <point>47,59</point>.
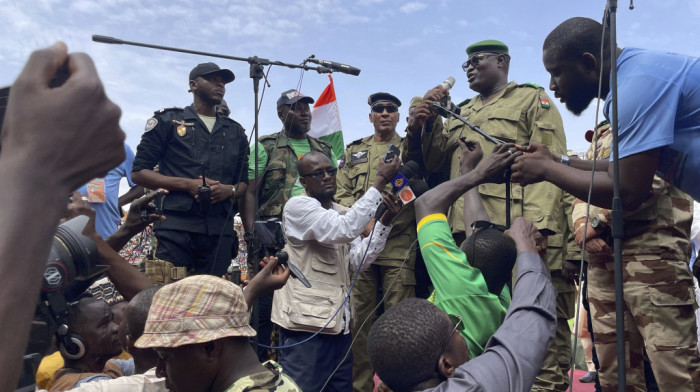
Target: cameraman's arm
<point>134,223</point>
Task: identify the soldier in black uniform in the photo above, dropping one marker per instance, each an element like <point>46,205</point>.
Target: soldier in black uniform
<point>186,144</point>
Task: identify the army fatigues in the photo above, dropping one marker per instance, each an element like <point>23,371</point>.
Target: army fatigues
<point>395,264</point>
<point>177,140</point>
<point>521,114</point>
<point>658,290</point>
<point>281,173</point>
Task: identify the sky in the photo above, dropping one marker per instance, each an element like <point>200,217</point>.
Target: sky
<point>402,47</point>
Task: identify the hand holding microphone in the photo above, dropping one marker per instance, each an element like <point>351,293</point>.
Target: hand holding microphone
<point>424,111</point>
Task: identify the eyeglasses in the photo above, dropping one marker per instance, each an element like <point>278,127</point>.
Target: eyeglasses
<point>476,59</point>
<point>459,325</point>
<point>318,175</point>
<point>379,108</point>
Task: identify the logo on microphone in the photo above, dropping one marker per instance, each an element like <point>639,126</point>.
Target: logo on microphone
<point>399,182</point>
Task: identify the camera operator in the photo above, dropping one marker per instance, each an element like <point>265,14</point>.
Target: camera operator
<point>84,141</point>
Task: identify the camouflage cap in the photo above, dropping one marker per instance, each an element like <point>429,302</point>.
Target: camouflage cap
<point>489,45</point>
<point>376,97</point>
<point>196,309</point>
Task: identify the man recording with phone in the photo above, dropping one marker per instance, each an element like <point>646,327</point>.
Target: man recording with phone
<point>201,156</point>
<point>393,271</point>
<point>323,241</point>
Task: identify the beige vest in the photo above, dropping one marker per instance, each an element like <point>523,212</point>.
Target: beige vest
<point>327,267</point>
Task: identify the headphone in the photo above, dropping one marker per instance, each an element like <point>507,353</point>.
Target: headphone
<point>71,345</point>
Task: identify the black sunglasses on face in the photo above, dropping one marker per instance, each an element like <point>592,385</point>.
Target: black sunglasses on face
<point>379,108</point>
<point>321,173</point>
<point>476,59</point>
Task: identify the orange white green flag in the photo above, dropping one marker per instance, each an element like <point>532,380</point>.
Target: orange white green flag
<point>325,121</point>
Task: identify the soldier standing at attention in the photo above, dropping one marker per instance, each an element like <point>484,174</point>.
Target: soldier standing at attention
<point>513,113</point>
<point>278,181</point>
<point>392,273</point>
<point>188,143</point>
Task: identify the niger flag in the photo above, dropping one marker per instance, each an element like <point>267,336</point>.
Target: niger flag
<point>325,121</point>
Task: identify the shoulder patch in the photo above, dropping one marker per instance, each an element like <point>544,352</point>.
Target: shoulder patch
<point>466,101</point>
<point>168,109</point>
<point>342,162</point>
<point>544,101</point>
<point>150,124</point>
<point>533,85</point>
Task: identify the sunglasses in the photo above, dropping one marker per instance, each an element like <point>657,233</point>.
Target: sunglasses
<point>476,60</point>
<point>318,175</point>
<point>379,108</point>
<point>459,325</point>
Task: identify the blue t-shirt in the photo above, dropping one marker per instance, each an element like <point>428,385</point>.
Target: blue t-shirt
<point>107,215</point>
<point>659,107</point>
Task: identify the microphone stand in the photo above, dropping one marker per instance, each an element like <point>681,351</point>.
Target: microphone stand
<point>617,228</point>
<point>256,73</point>
<point>445,112</point>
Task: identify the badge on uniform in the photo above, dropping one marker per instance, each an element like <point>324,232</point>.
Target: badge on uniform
<point>358,157</point>
<point>544,101</point>
<point>341,164</point>
<point>181,129</point>
<point>150,124</point>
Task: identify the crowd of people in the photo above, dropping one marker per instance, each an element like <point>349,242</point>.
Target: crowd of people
<point>447,260</point>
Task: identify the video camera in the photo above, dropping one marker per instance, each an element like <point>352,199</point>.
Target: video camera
<point>70,269</point>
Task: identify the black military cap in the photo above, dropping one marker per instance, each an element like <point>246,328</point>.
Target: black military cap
<point>211,68</point>
<point>376,97</point>
<point>291,97</point>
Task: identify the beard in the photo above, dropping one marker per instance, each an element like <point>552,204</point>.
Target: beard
<point>577,103</point>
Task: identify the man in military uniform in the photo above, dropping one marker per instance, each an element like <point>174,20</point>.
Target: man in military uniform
<point>392,272</point>
<point>515,113</point>
<point>278,181</point>
<point>658,230</point>
<point>187,144</point>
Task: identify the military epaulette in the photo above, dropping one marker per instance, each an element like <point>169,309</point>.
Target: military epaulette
<point>533,85</point>
<point>358,141</point>
<point>168,109</point>
<point>268,137</point>
<point>466,101</point>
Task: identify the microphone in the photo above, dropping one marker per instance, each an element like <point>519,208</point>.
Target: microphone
<point>107,40</point>
<point>343,68</point>
<point>448,83</point>
<point>283,259</point>
<point>408,170</point>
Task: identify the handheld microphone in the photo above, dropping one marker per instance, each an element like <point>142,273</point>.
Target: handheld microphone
<point>283,259</point>
<point>408,170</point>
<point>445,101</point>
<point>448,83</point>
<point>343,68</point>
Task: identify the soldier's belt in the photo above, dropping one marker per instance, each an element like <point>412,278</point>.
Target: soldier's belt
<point>163,272</point>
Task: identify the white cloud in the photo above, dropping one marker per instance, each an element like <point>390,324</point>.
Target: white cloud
<point>413,7</point>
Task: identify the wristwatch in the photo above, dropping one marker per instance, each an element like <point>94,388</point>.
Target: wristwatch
<point>233,188</point>
<point>598,224</point>
<point>565,160</point>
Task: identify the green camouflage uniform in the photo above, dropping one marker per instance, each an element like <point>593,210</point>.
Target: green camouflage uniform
<point>658,290</point>
<point>521,114</point>
<point>355,176</point>
<point>281,172</point>
<point>272,380</point>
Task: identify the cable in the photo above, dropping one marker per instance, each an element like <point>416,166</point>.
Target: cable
<point>369,316</point>
<point>588,210</point>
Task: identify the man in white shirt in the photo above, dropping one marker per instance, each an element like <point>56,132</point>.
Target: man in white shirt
<point>323,240</point>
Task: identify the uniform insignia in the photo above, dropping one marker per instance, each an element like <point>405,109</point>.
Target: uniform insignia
<point>150,124</point>
<point>606,152</point>
<point>544,101</point>
<point>358,157</point>
<point>341,164</point>
<point>181,129</point>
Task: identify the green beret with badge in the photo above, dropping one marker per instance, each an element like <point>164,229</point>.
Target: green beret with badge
<point>489,45</point>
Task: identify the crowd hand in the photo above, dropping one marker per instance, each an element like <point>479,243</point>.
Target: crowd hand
<point>470,155</point>
<point>78,205</point>
<point>590,233</point>
<point>272,275</point>
<point>388,170</point>
<point>596,245</point>
<point>84,141</point>
<point>529,168</point>
<point>571,272</point>
<point>422,112</point>
<point>393,206</point>
<point>494,167</point>
<point>134,221</point>
<point>524,234</point>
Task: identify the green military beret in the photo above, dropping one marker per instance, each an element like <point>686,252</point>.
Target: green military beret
<point>376,97</point>
<point>490,45</point>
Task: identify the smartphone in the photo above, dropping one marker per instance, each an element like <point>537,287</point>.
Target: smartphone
<point>391,153</point>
